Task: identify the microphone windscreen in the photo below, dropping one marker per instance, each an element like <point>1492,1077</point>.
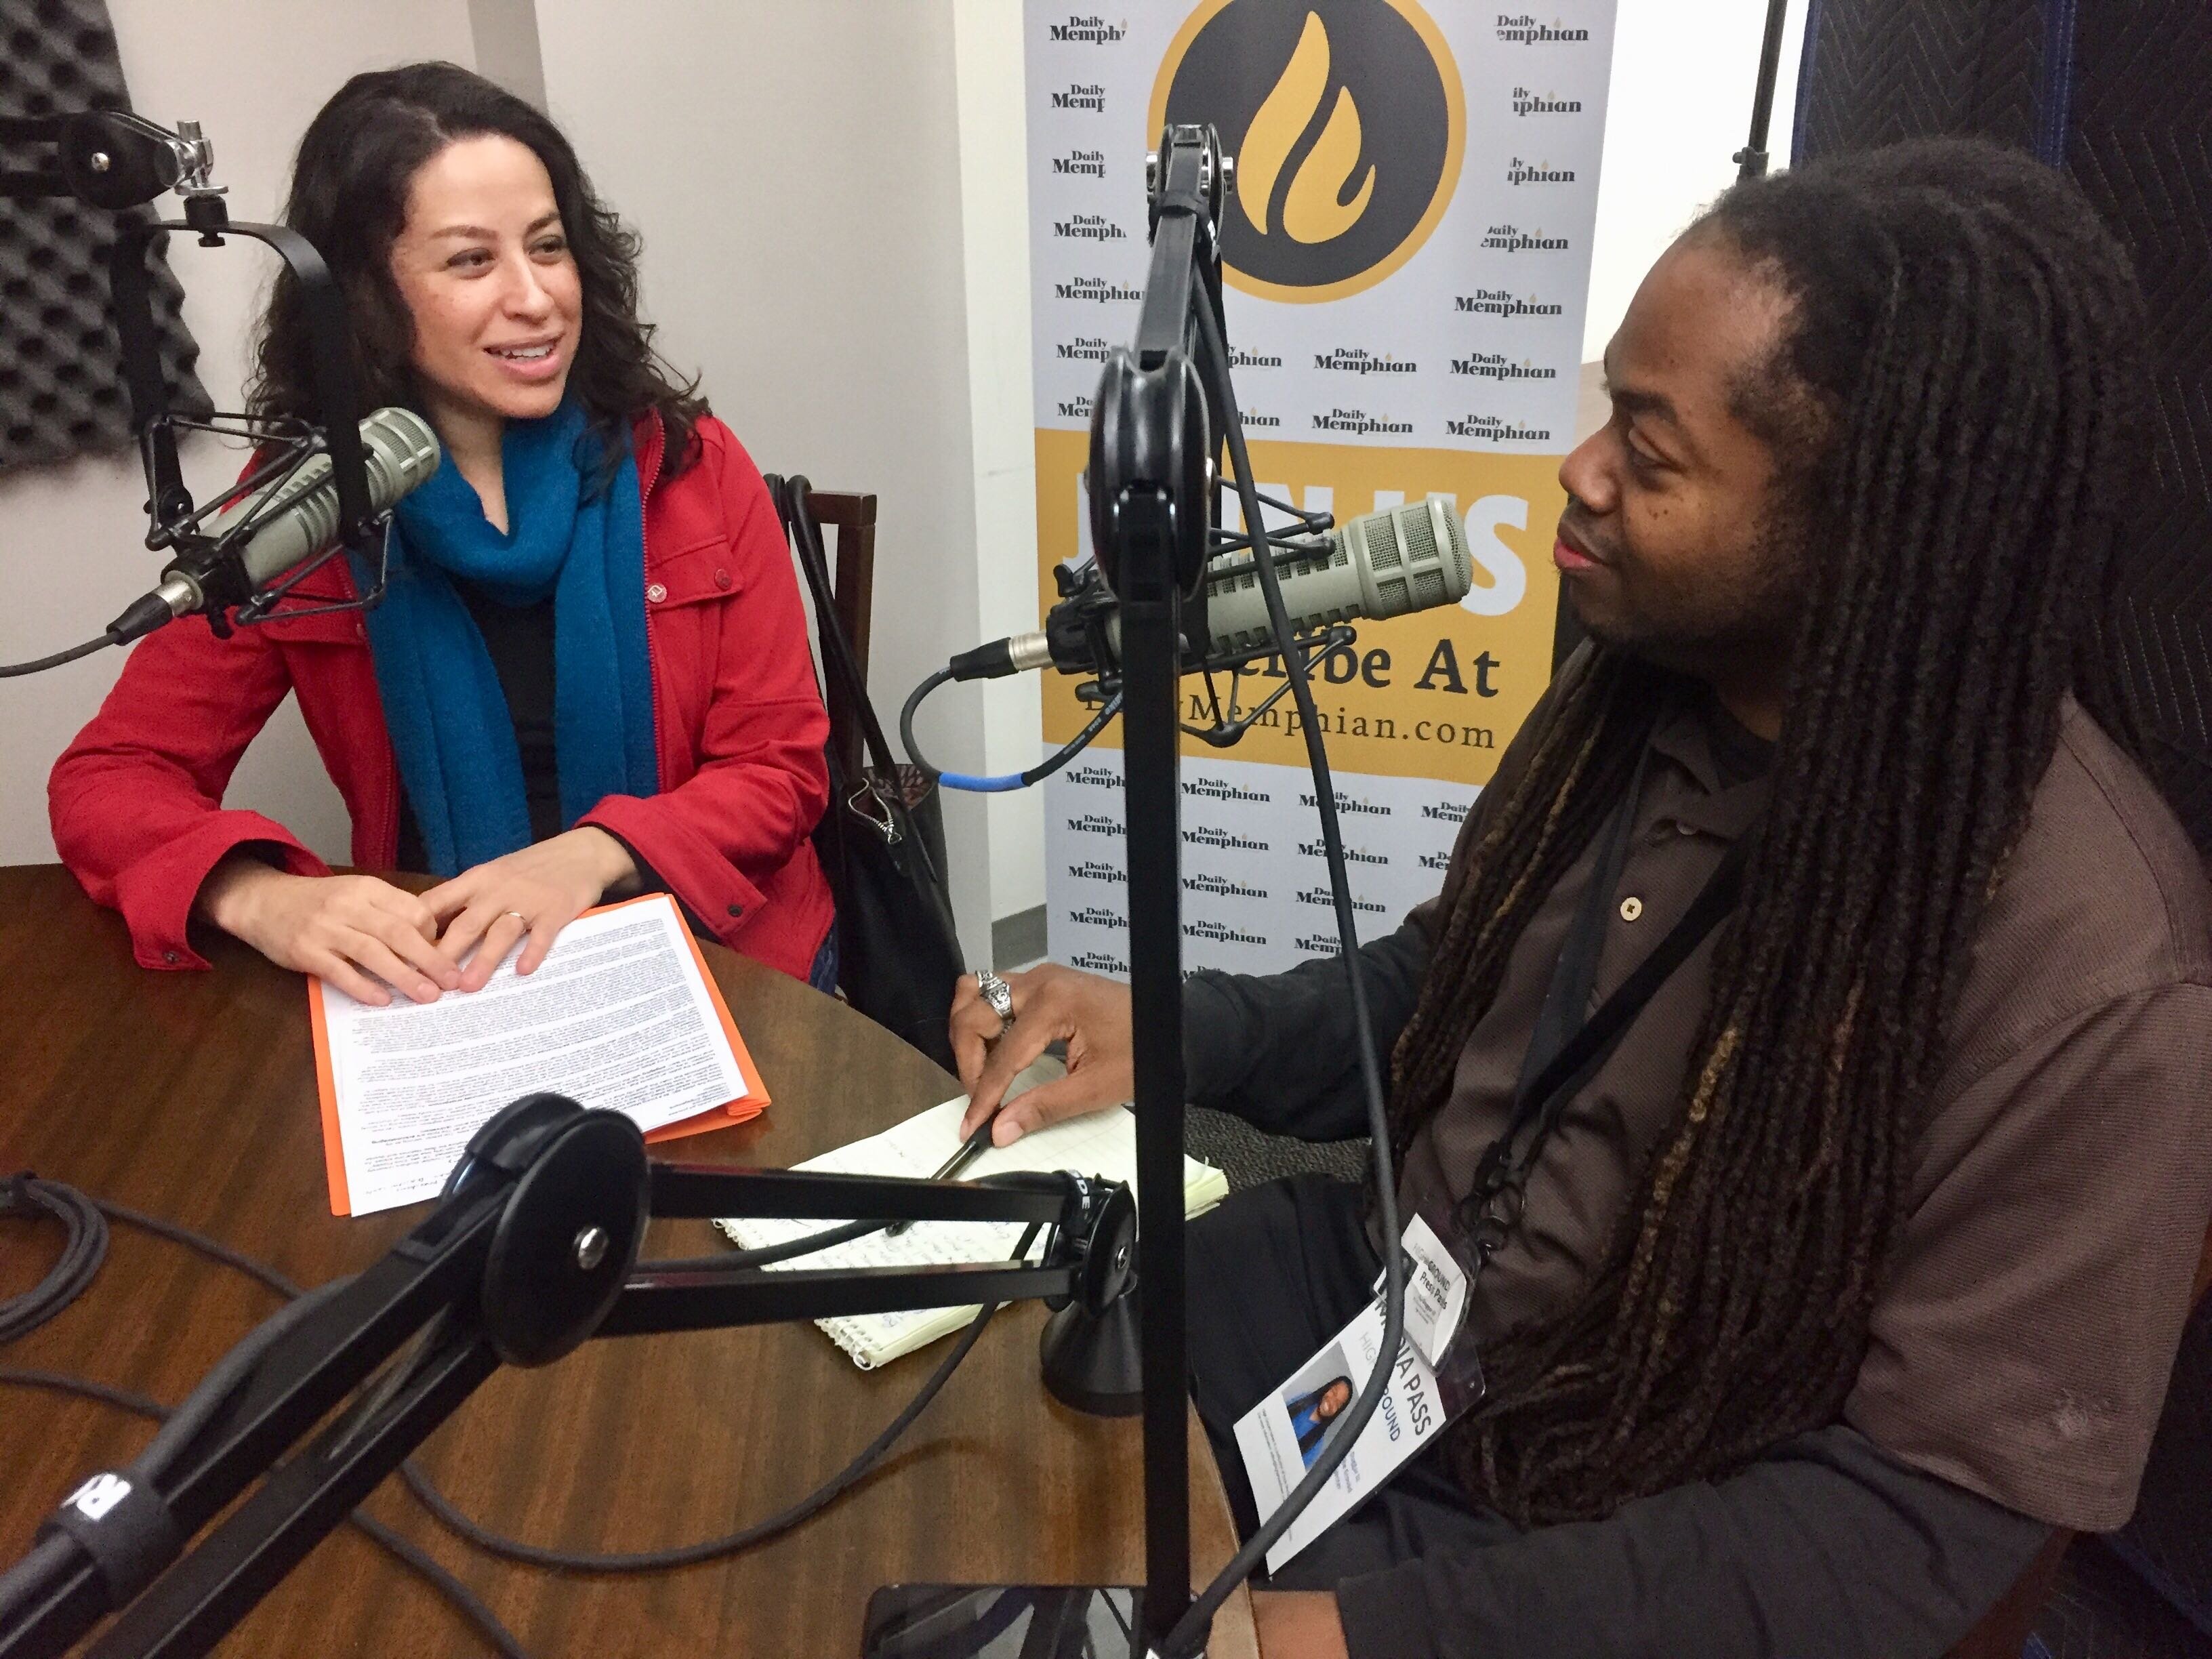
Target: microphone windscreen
<point>1417,556</point>
<point>301,516</point>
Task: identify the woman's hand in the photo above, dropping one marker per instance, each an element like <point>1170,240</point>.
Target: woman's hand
<point>1088,1012</point>
<point>1297,1624</point>
<point>540,890</point>
<point>341,928</point>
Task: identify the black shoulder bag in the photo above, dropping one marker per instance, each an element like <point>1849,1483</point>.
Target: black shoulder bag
<point>881,842</point>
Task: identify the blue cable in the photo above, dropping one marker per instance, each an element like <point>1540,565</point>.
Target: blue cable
<point>1005,782</point>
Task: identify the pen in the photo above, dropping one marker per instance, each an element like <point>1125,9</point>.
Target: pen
<point>970,1150</point>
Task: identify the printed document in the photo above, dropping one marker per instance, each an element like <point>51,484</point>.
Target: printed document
<point>621,1015</point>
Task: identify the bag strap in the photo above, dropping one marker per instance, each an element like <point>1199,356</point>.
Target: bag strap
<point>805,533</point>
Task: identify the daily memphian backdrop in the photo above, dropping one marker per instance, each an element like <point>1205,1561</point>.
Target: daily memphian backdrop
<point>1408,256</point>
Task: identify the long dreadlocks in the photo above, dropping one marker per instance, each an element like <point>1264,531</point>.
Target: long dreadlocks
<point>1955,393</point>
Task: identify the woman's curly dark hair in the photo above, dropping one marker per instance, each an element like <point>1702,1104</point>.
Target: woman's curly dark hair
<point>349,198</point>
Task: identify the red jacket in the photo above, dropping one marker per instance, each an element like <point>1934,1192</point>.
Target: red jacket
<point>136,800</point>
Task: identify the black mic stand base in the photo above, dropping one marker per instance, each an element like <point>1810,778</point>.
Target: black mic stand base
<point>1095,1362</point>
<point>1003,1621</point>
<point>1092,1361</point>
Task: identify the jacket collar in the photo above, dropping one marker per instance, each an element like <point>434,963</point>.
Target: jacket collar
<point>648,441</point>
<point>1685,736</point>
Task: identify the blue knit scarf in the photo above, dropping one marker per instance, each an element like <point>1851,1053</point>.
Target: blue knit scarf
<point>450,724</point>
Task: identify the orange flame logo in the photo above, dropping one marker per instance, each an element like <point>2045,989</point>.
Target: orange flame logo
<point>1313,209</point>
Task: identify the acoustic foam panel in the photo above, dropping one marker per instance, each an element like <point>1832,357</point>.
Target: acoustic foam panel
<point>62,392</point>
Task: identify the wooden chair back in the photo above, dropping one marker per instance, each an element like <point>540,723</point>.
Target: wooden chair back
<point>853,585</point>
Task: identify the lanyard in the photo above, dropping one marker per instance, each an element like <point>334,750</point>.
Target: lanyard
<point>1565,1049</point>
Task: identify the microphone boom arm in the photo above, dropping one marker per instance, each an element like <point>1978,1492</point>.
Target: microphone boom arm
<point>531,1251</point>
<point>114,160</point>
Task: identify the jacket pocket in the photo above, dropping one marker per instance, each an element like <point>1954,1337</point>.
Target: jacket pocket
<point>704,574</point>
<point>686,607</point>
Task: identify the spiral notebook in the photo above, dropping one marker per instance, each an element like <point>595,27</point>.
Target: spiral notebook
<point>1102,1144</point>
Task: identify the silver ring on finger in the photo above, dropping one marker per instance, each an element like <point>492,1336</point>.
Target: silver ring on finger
<point>999,994</point>
<point>517,915</point>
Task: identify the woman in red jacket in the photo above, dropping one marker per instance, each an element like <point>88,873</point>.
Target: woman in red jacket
<point>589,676</point>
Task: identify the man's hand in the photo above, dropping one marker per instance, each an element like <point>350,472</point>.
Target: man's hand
<point>1052,1004</point>
<point>1298,1624</point>
<point>540,890</point>
<point>342,929</point>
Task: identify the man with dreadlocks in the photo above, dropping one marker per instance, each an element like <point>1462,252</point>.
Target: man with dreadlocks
<point>1857,1265</point>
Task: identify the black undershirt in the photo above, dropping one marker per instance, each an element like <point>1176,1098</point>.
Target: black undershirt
<point>520,640</point>
<point>1738,753</point>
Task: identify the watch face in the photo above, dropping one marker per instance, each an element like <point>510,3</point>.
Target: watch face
<point>1001,1621</point>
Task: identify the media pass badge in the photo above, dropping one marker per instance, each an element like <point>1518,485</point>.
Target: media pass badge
<point>1347,124</point>
<point>1435,1378</point>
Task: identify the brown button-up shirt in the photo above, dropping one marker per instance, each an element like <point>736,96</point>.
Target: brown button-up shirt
<point>2064,1179</point>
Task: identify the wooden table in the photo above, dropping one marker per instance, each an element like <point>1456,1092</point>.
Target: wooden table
<point>191,1096</point>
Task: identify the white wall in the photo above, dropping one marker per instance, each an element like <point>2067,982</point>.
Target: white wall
<point>994,225</point>
<point>835,219</point>
<point>796,171</point>
<point>1679,108</point>
<point>252,72</point>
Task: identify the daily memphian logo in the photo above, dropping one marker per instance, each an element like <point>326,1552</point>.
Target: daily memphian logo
<point>1085,30</point>
<point>1216,789</point>
<point>1317,848</point>
<point>1096,288</point>
<point>1358,422</point>
<point>1519,172</point>
<point>1321,896</point>
<point>1522,29</point>
<point>1496,429</point>
<point>1351,805</point>
<point>1348,122</point>
<point>1511,239</point>
<point>1527,103</point>
<point>1088,228</point>
<point>1498,302</point>
<point>1496,365</point>
<point>1359,360</point>
<point>1081,164</point>
<point>1220,932</point>
<point>1222,887</point>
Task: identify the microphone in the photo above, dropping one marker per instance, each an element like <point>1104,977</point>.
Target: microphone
<point>1403,559</point>
<point>299,517</point>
